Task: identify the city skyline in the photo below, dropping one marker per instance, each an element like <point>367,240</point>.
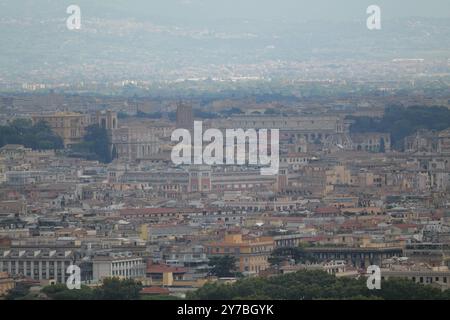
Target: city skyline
<point>207,151</point>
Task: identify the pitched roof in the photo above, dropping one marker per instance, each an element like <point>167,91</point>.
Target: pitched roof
<point>155,290</point>
<point>161,268</point>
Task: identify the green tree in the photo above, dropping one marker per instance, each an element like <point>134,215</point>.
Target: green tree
<point>61,292</point>
<point>310,285</point>
<point>232,111</point>
<point>402,289</point>
<point>382,146</point>
<point>96,145</point>
<point>223,266</point>
<point>38,136</point>
<point>111,289</point>
<point>401,122</point>
<point>271,112</point>
<point>117,289</point>
<point>20,291</point>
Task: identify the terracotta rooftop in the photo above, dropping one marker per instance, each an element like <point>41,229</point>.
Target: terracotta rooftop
<point>155,290</point>
<point>327,210</point>
<point>161,268</point>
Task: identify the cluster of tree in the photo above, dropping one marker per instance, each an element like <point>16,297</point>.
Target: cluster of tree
<point>20,292</point>
<point>155,115</point>
<point>201,114</point>
<point>38,136</point>
<point>223,266</point>
<point>401,122</point>
<point>111,289</point>
<point>122,115</point>
<point>96,145</point>
<point>231,111</point>
<point>315,285</point>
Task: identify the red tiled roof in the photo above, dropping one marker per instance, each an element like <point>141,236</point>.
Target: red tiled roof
<point>327,210</point>
<point>405,225</point>
<point>351,224</point>
<point>155,290</point>
<point>161,268</point>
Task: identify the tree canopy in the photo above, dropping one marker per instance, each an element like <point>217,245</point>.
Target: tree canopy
<point>223,266</point>
<point>401,122</point>
<point>37,137</point>
<point>311,285</point>
<point>96,145</point>
<point>111,289</point>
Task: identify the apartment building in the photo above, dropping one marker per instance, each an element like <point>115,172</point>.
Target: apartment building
<point>41,264</point>
<point>70,126</point>
<point>438,277</point>
<point>121,265</point>
<point>251,254</point>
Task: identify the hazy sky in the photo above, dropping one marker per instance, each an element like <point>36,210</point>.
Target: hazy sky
<point>125,38</point>
<point>199,10</point>
<point>303,9</point>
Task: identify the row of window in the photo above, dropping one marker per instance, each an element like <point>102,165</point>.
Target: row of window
<point>427,280</point>
<point>237,186</point>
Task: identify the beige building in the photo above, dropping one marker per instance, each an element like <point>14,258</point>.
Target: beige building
<point>140,140</point>
<point>309,128</point>
<point>251,254</point>
<point>437,277</point>
<point>70,126</point>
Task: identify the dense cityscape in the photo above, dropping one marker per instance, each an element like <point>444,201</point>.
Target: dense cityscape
<point>94,207</point>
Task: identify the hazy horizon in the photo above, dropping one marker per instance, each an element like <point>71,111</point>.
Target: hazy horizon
<point>175,39</point>
<point>204,10</point>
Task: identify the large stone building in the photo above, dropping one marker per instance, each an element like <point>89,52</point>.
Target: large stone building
<point>38,264</point>
<point>371,141</point>
<point>311,128</point>
<point>140,140</point>
<point>429,141</point>
<point>438,277</point>
<point>71,126</point>
<point>421,141</point>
